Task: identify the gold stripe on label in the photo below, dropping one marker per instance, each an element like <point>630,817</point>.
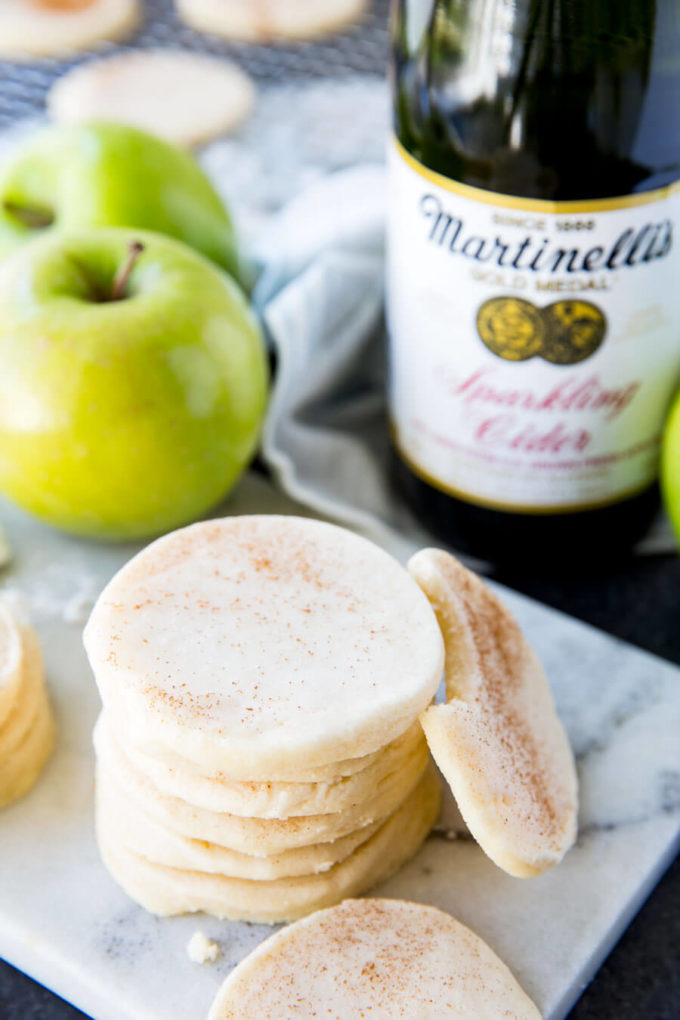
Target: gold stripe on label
<point>514,508</point>
<point>594,205</point>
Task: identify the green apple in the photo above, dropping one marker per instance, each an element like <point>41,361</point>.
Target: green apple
<point>670,465</point>
<point>110,175</point>
<point>131,392</point>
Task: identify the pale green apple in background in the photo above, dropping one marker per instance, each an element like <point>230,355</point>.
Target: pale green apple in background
<point>670,465</point>
<point>110,175</point>
<point>124,418</point>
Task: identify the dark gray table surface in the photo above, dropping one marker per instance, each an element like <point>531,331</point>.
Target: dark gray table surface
<point>641,979</point>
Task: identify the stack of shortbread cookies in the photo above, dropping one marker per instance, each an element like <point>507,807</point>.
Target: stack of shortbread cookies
<point>259,753</point>
<point>26,723</point>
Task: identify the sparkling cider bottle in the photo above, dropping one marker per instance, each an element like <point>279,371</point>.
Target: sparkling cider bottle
<point>533,271</point>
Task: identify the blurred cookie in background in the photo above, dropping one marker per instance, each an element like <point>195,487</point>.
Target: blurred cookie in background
<point>55,28</point>
<point>184,98</point>
<point>269,20</point>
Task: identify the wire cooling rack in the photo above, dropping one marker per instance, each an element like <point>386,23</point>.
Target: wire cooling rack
<point>361,48</point>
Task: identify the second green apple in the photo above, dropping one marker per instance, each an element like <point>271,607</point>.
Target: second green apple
<point>110,175</point>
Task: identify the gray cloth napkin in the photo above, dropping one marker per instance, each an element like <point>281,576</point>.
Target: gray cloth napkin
<point>320,294</point>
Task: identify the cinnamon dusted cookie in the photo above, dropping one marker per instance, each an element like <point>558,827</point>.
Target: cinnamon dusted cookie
<point>385,959</point>
<point>497,740</point>
<point>263,644</point>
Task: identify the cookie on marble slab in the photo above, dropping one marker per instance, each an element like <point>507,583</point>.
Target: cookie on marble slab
<point>142,834</point>
<point>263,644</point>
<point>498,740</point>
<point>185,98</point>
<point>27,732</point>
<point>276,799</point>
<point>268,20</point>
<point>168,891</point>
<point>254,836</point>
<point>373,958</point>
<point>20,771</point>
<point>16,725</point>
<point>55,28</point>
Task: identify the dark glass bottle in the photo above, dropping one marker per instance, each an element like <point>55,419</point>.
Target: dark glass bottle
<point>522,129</point>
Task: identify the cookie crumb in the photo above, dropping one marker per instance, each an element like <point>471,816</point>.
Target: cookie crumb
<point>201,950</point>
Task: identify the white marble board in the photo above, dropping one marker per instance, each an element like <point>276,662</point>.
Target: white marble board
<point>66,923</point>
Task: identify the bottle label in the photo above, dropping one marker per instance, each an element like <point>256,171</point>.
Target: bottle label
<point>534,346</point>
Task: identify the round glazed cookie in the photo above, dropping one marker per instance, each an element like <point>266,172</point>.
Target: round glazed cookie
<point>385,959</point>
<point>209,96</point>
<point>31,28</point>
<point>255,836</point>
<point>391,769</point>
<point>142,834</point>
<point>251,645</point>
<point>329,773</point>
<point>17,725</point>
<point>21,769</point>
<point>166,891</point>
<point>27,732</point>
<point>267,20</point>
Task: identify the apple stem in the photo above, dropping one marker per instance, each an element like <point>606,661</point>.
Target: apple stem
<point>121,278</point>
<point>35,219</point>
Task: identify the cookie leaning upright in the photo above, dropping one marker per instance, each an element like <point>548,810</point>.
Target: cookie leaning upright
<point>26,723</point>
<point>497,740</point>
